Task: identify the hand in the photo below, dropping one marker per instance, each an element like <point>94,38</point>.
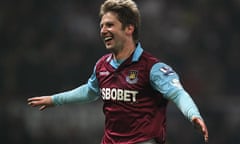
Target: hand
<point>43,102</point>
<point>201,126</point>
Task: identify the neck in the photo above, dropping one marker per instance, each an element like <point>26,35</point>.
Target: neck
<point>125,52</point>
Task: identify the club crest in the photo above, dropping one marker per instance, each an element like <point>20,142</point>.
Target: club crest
<point>132,77</point>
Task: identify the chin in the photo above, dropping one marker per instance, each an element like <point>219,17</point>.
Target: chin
<point>109,47</point>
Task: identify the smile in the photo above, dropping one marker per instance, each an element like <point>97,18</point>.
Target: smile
<point>106,39</point>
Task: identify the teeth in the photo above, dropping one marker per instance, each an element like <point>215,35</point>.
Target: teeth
<point>107,38</point>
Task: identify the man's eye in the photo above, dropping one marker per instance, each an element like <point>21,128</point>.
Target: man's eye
<point>109,25</point>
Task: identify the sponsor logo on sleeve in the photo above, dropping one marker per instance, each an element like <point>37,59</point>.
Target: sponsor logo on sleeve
<point>167,70</point>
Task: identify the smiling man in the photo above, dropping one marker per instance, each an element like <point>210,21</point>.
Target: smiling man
<point>134,85</point>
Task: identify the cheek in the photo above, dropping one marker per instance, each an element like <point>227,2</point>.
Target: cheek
<point>122,36</point>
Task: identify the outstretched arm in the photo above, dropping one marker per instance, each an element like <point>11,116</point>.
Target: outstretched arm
<point>82,94</point>
<point>166,81</point>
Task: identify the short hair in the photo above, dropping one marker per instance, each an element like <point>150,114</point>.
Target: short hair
<point>127,12</point>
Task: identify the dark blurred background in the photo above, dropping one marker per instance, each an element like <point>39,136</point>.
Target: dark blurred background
<point>52,46</point>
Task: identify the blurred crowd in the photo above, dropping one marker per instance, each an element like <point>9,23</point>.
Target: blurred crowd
<point>52,46</point>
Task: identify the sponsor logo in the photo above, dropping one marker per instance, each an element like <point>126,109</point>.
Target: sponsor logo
<point>167,70</point>
<point>116,94</point>
<point>132,77</point>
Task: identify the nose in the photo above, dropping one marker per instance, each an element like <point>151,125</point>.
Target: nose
<point>103,30</point>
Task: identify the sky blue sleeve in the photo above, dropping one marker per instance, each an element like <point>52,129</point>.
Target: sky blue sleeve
<point>83,94</point>
<point>165,80</point>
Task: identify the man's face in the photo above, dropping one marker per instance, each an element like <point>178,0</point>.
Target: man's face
<point>112,33</point>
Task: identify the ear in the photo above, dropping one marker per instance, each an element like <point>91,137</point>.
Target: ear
<point>129,29</point>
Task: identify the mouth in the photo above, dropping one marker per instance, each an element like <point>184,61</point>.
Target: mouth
<point>108,38</point>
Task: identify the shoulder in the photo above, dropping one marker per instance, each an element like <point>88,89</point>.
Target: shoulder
<point>104,58</point>
<point>149,58</point>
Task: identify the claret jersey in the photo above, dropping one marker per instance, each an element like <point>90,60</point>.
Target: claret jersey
<point>134,111</point>
<point>135,94</point>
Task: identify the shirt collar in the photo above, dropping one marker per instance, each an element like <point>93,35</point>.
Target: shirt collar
<point>136,56</point>
<point>137,53</point>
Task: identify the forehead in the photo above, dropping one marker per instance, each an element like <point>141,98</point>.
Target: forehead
<point>109,17</point>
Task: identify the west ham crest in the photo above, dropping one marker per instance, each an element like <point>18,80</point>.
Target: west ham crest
<point>132,77</point>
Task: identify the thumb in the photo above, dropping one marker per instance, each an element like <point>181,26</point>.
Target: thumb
<point>42,107</point>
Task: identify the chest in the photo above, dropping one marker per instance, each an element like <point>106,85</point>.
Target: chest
<point>130,77</point>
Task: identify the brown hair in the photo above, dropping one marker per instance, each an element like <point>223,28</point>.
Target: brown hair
<point>127,11</point>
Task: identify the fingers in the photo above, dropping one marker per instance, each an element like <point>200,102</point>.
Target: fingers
<point>199,124</point>
<point>43,102</point>
<point>205,134</point>
<point>35,101</point>
<point>35,98</point>
<point>42,107</point>
<point>204,131</point>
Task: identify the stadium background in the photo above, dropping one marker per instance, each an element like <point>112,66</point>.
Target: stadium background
<point>52,46</point>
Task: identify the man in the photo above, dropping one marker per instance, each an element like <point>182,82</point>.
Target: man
<point>134,85</point>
